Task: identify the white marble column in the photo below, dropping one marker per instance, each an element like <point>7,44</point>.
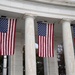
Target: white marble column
<point>68,47</point>
<point>46,66</point>
<point>18,59</point>
<point>11,69</point>
<point>53,65</point>
<point>30,55</point>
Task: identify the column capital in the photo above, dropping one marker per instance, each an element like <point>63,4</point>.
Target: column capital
<point>29,15</point>
<point>67,20</point>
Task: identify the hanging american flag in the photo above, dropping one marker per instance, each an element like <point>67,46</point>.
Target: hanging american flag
<point>74,33</point>
<point>7,36</point>
<point>46,39</point>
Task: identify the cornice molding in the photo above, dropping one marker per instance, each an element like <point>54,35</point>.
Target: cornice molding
<point>56,2</point>
<point>39,9</point>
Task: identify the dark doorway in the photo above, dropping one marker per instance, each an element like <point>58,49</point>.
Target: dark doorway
<point>39,63</point>
<point>61,61</point>
<point>1,65</point>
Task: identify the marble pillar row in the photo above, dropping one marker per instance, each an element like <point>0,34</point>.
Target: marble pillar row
<point>30,54</point>
<point>68,47</point>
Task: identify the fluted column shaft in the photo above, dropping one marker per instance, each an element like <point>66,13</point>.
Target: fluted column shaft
<point>68,47</point>
<point>30,55</point>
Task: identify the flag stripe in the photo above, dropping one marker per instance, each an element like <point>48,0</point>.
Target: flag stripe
<point>8,37</point>
<point>53,42</point>
<point>44,47</point>
<point>48,46</point>
<point>6,45</point>
<point>14,34</point>
<point>12,38</point>
<point>46,40</point>
<point>51,39</point>
<point>2,45</point>
<point>39,46</point>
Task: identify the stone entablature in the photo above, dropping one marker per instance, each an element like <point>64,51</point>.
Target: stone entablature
<point>58,2</point>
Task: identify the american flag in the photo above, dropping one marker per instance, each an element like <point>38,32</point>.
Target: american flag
<point>7,36</point>
<point>46,39</point>
<point>74,33</point>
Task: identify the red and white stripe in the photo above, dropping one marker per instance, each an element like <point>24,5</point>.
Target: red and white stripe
<point>7,40</point>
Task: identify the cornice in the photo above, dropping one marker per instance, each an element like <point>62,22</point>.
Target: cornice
<point>56,2</point>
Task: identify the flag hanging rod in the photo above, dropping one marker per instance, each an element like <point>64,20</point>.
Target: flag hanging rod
<point>72,24</point>
<point>45,22</point>
<point>2,16</point>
